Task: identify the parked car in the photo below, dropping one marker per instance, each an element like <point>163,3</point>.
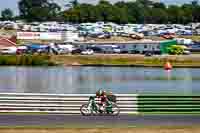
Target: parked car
<point>65,48</point>
<point>109,48</point>
<point>22,49</point>
<point>148,54</point>
<point>87,52</point>
<point>186,52</point>
<point>8,50</point>
<point>96,49</point>
<point>76,51</point>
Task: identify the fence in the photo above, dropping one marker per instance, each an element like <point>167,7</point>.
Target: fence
<point>70,104</point>
<point>59,104</point>
<point>169,104</point>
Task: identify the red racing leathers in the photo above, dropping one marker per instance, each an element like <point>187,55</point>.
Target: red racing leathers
<point>102,101</point>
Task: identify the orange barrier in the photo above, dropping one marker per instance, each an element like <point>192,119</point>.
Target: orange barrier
<point>168,66</point>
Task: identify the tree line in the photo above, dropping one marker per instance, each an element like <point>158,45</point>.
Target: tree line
<point>140,11</point>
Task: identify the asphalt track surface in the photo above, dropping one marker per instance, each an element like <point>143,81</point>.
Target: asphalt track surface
<point>129,120</point>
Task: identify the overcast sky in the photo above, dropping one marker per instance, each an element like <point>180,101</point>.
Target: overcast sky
<point>13,3</point>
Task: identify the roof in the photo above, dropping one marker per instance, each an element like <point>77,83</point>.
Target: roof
<point>125,42</point>
<point>4,42</point>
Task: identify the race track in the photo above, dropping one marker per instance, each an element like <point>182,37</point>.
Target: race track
<point>91,121</point>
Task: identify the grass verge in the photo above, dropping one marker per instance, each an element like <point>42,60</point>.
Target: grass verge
<point>126,60</point>
<point>25,60</point>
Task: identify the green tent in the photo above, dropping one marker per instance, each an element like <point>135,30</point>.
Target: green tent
<point>165,44</point>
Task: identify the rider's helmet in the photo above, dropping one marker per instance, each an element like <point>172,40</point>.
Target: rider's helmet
<point>104,93</point>
<point>99,93</point>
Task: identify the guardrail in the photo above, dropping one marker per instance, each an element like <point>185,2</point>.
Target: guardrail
<point>58,103</point>
<point>71,103</point>
<point>167,104</point>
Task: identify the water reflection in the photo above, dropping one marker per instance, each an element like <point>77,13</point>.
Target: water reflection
<point>90,79</point>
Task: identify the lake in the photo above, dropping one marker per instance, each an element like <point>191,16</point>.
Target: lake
<point>84,80</point>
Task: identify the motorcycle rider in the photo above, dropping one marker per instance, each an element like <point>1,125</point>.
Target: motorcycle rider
<point>111,97</point>
<point>101,95</point>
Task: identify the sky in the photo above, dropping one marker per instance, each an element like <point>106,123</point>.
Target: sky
<point>12,4</point>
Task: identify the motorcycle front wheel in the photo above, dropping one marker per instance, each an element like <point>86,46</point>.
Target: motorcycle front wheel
<point>85,110</point>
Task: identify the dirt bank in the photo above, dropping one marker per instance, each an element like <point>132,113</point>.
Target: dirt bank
<point>109,130</point>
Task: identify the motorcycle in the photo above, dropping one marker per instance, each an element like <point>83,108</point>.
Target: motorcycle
<point>92,108</point>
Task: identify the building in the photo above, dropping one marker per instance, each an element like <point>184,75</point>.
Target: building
<point>7,46</point>
<point>5,43</point>
<point>134,47</point>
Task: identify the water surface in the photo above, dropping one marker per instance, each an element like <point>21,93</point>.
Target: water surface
<point>70,80</point>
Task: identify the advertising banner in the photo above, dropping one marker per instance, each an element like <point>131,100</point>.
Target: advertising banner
<point>28,35</point>
<point>39,36</point>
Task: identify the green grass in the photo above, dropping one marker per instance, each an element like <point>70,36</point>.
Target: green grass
<point>194,37</point>
<point>101,60</point>
<point>126,60</point>
<point>25,60</point>
<point>168,113</point>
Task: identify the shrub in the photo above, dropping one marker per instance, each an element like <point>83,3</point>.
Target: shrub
<point>175,50</point>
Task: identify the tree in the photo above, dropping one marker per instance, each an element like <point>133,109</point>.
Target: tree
<point>175,14</point>
<point>159,5</point>
<point>105,10</point>
<point>195,11</point>
<point>74,3</point>
<point>38,10</point>
<point>194,2</point>
<point>140,11</point>
<point>187,13</point>
<point>87,13</point>
<point>7,14</point>
<point>127,12</point>
<point>176,50</point>
<point>146,3</point>
<point>158,16</point>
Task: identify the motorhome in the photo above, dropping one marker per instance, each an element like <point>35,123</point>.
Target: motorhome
<point>109,48</point>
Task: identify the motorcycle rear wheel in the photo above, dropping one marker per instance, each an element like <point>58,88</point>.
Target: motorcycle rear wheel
<point>115,110</point>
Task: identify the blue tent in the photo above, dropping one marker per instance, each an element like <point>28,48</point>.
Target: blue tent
<point>37,46</point>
